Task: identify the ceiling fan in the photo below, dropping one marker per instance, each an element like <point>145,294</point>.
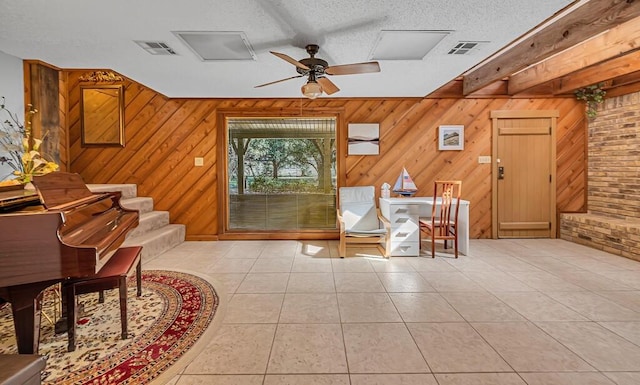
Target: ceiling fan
<point>316,69</point>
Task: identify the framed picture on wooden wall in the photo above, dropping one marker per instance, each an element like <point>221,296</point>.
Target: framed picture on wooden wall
<point>450,138</point>
<point>364,139</point>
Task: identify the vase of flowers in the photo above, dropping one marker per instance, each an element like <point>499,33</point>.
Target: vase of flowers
<point>20,150</point>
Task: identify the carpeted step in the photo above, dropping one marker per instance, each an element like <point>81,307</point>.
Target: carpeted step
<point>128,190</point>
<point>150,221</point>
<point>157,241</point>
<point>154,233</point>
<point>129,198</point>
<point>142,204</point>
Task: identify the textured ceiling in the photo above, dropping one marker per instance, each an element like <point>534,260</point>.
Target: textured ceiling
<point>88,34</point>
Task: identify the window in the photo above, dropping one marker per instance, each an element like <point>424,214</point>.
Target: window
<point>281,174</point>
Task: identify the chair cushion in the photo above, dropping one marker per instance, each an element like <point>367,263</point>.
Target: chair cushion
<point>360,216</point>
<point>358,208</point>
<point>366,233</point>
<point>427,223</point>
<point>357,194</point>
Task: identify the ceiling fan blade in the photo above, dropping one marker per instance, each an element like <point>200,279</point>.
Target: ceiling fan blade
<point>290,24</point>
<point>327,85</point>
<point>303,31</point>
<point>354,26</point>
<point>278,81</point>
<point>357,68</point>
<point>291,60</point>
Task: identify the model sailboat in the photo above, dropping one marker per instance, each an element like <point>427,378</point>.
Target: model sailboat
<point>404,184</point>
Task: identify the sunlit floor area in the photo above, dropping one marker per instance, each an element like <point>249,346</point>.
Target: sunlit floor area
<point>513,312</point>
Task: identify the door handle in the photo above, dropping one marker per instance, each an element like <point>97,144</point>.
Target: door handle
<point>501,172</point>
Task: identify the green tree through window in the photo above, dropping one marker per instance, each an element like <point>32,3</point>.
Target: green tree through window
<point>281,174</point>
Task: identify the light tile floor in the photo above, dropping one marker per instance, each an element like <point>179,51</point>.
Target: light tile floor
<point>513,312</point>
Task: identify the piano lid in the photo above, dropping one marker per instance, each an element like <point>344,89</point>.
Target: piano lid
<point>58,188</point>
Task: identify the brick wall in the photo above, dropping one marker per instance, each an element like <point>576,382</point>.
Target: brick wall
<point>614,158</point>
<point>616,236</point>
<point>613,202</point>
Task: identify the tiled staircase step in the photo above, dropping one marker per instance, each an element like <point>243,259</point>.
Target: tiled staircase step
<point>150,221</point>
<point>128,190</point>
<point>142,204</point>
<point>158,241</point>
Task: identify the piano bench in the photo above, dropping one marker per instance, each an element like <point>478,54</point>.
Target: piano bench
<point>21,369</point>
<point>111,276</point>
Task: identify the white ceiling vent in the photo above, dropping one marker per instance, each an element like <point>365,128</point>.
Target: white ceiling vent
<point>465,47</point>
<point>406,45</point>
<point>216,45</point>
<point>156,47</point>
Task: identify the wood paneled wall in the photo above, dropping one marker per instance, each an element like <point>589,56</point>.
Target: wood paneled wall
<point>42,91</point>
<point>164,135</point>
<point>63,108</point>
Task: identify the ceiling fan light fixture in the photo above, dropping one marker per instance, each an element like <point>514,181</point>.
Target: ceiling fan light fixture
<point>311,89</point>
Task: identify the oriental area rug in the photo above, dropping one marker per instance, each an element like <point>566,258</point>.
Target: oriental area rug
<point>165,323</point>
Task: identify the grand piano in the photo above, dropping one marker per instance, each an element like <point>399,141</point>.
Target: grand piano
<point>61,231</point>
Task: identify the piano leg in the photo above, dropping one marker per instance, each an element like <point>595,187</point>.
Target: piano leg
<point>61,324</point>
<point>70,299</point>
<point>26,301</point>
<point>26,321</point>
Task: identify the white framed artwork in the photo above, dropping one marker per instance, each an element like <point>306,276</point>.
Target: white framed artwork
<point>451,137</point>
<point>364,139</point>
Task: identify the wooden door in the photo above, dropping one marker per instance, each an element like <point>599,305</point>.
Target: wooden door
<point>524,174</point>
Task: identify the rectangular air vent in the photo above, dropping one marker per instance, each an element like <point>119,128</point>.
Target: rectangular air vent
<point>465,47</point>
<point>406,45</point>
<point>156,47</point>
<point>217,45</point>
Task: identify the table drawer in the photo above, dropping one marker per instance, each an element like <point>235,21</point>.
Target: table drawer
<point>405,234</point>
<point>398,221</point>
<point>403,212</point>
<point>405,249</point>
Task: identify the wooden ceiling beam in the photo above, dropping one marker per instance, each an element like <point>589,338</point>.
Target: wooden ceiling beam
<point>453,90</point>
<point>586,21</point>
<point>495,89</point>
<point>622,65</point>
<point>545,90</point>
<point>625,89</point>
<point>613,43</point>
<point>631,78</point>
<point>450,90</point>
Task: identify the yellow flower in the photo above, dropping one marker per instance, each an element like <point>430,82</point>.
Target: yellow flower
<point>34,164</point>
<point>36,144</point>
<point>32,161</point>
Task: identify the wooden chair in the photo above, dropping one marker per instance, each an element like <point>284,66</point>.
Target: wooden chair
<point>443,225</point>
<point>360,220</point>
<point>113,275</point>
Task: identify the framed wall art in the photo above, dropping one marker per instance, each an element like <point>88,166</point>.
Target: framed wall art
<point>451,137</point>
<point>364,139</point>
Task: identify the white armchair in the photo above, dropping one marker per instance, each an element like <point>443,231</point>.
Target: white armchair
<point>360,220</point>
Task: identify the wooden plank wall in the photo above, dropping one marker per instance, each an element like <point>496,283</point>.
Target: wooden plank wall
<point>164,135</point>
<point>33,86</point>
<point>63,109</point>
<point>43,93</point>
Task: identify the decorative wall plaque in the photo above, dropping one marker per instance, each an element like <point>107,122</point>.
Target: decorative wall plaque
<point>101,76</point>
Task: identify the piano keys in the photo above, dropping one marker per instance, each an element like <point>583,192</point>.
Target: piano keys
<point>70,235</point>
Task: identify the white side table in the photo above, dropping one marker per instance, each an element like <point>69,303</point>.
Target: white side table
<point>404,214</point>
<point>405,228</point>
